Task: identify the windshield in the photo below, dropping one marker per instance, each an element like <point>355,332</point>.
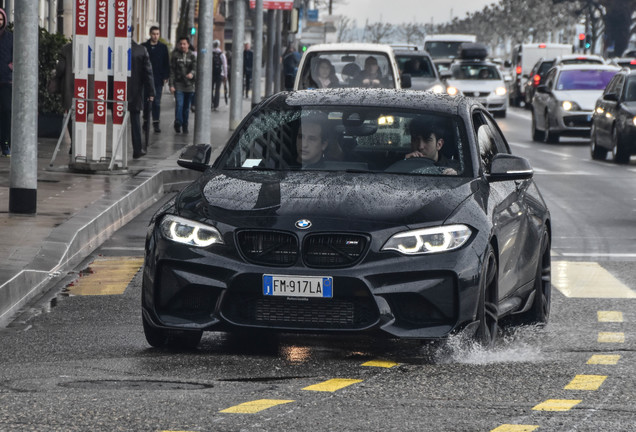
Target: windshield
<point>355,139</point>
<point>347,69</point>
<point>589,79</point>
<point>417,66</point>
<point>443,48</point>
<point>475,72</point>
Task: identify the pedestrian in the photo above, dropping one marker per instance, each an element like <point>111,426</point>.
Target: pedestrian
<point>183,66</point>
<point>291,60</point>
<point>64,75</point>
<point>248,63</point>
<point>141,85</point>
<point>6,83</point>
<point>219,72</point>
<point>160,61</point>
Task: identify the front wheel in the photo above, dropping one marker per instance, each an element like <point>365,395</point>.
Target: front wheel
<point>620,153</point>
<point>487,310</point>
<point>549,136</point>
<point>537,135</point>
<point>597,152</point>
<point>539,313</point>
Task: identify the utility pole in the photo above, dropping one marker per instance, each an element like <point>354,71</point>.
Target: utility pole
<point>258,53</point>
<point>278,51</point>
<point>203,94</point>
<point>271,28</point>
<point>23,178</point>
<point>236,89</point>
<point>52,15</point>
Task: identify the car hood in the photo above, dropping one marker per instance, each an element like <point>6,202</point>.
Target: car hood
<point>586,99</point>
<point>252,198</point>
<point>469,86</point>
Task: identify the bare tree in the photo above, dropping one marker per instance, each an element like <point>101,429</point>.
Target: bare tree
<point>344,29</point>
<point>412,33</point>
<point>377,32</point>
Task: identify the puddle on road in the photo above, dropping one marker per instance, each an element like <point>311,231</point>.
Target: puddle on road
<point>520,345</point>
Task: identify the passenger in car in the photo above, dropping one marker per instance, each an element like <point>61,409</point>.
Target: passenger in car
<point>311,141</point>
<point>324,75</point>
<point>370,75</point>
<point>427,141</point>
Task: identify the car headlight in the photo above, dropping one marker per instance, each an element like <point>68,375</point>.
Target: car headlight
<point>570,106</point>
<point>437,88</point>
<point>634,121</point>
<point>453,91</point>
<point>429,240</point>
<point>500,91</point>
<point>189,232</point>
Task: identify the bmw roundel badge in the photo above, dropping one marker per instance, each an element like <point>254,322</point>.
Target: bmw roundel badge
<point>303,223</point>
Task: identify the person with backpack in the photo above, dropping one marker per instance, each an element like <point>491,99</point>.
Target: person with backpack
<point>219,72</point>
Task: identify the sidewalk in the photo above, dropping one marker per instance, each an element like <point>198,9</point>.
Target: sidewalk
<point>77,212</point>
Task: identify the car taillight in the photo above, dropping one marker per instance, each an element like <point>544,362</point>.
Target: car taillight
<point>518,70</point>
<point>536,80</point>
<point>633,62</point>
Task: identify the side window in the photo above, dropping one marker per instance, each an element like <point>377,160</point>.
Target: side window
<point>611,87</point>
<point>549,79</point>
<point>485,140</point>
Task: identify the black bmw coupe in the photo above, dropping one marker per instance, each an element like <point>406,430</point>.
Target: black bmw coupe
<point>351,210</point>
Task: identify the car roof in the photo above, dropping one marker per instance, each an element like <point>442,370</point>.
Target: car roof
<point>594,57</point>
<point>354,46</point>
<point>587,66</point>
<point>411,53</point>
<point>390,98</point>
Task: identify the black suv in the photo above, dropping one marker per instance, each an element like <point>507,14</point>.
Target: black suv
<point>535,78</point>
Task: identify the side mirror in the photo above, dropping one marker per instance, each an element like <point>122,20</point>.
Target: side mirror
<point>610,97</point>
<point>406,80</point>
<point>195,157</point>
<point>505,167</point>
<point>542,89</point>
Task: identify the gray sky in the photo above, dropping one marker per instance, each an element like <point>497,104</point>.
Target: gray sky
<point>406,11</point>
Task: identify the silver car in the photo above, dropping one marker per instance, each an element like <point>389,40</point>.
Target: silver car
<point>564,105</point>
<point>420,66</point>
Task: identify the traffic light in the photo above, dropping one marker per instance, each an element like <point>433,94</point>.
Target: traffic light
<point>193,31</point>
<point>588,41</point>
<point>581,40</point>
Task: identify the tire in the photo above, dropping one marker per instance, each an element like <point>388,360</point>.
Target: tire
<point>539,313</point>
<point>620,153</point>
<point>156,337</point>
<point>501,114</point>
<point>537,135</point>
<point>597,152</point>
<point>487,310</point>
<point>548,136</point>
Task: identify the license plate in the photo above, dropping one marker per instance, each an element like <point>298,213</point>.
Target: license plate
<point>298,286</point>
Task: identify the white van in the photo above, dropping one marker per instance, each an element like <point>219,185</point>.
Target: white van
<point>524,57</point>
<point>346,62</point>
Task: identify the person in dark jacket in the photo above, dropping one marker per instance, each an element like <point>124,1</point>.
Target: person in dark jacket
<point>248,64</point>
<point>140,85</point>
<point>183,66</point>
<point>160,60</point>
<point>6,84</point>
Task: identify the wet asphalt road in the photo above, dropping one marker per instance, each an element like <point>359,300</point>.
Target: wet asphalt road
<point>79,363</point>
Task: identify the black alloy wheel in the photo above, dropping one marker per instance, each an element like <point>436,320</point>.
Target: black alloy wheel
<point>548,136</point>
<point>539,313</point>
<point>596,151</point>
<point>619,151</point>
<point>487,310</point>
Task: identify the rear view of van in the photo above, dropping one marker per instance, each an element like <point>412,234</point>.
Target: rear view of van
<point>524,57</point>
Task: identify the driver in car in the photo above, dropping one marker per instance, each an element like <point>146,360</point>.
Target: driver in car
<point>426,142</point>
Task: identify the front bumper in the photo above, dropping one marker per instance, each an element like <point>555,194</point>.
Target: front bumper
<point>573,123</point>
<point>424,297</point>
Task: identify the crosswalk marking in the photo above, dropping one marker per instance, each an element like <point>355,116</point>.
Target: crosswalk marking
<point>609,316</point>
<point>380,363</point>
<point>332,385</point>
<point>611,337</point>
<point>109,276</point>
<point>599,359</point>
<point>587,280</point>
<point>255,406</point>
<point>586,382</point>
<point>557,405</point>
<point>515,428</point>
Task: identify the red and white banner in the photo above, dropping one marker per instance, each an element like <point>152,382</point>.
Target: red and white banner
<point>274,4</point>
<point>83,31</point>
<point>121,70</point>
<point>102,66</point>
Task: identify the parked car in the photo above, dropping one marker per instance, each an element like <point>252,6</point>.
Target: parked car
<point>564,105</point>
<point>614,119</point>
<point>475,77</point>
<point>535,78</point>
<point>419,65</point>
<point>319,217</point>
<point>348,62</point>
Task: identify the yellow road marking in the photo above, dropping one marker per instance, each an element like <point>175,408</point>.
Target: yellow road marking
<point>557,405</point>
<point>332,385</point>
<point>110,276</point>
<point>515,428</point>
<point>380,363</point>
<point>611,337</point>
<point>609,316</point>
<point>599,359</point>
<point>255,406</point>
<point>586,382</point>
<point>587,280</point>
